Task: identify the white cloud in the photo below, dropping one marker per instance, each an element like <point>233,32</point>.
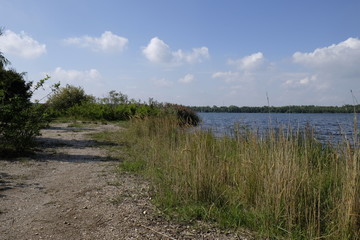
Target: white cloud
<point>307,80</point>
<point>248,63</point>
<point>159,52</point>
<point>76,77</point>
<point>335,66</point>
<point>342,59</point>
<point>344,52</point>
<point>188,78</point>
<point>107,42</point>
<point>248,69</point>
<point>196,55</point>
<point>304,81</point>
<point>21,45</point>
<point>227,76</point>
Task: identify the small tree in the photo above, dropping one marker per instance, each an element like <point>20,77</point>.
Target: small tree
<point>20,120</point>
<point>68,97</point>
<point>115,98</point>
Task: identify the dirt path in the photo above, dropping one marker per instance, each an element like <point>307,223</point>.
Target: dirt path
<point>69,190</point>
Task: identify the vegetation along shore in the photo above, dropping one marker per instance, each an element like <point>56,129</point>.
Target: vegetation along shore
<point>282,109</point>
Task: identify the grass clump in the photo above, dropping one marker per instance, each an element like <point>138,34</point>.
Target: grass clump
<point>282,184</point>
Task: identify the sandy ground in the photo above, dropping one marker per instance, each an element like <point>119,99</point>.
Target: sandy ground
<point>69,190</point>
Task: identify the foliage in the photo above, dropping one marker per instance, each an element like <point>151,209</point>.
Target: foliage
<point>282,184</point>
<point>67,97</point>
<point>12,85</point>
<point>185,115</point>
<point>72,102</point>
<point>284,109</point>
<point>108,112</point>
<point>20,120</point>
<point>115,98</point>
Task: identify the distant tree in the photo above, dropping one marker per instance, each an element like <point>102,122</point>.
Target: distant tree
<point>68,97</point>
<point>115,98</point>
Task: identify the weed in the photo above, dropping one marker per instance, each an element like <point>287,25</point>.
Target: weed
<point>135,166</point>
<point>282,184</point>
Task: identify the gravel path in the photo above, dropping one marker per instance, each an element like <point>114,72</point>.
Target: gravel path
<point>69,190</point>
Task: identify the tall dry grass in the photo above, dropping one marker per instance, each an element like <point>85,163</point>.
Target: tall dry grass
<point>281,184</point>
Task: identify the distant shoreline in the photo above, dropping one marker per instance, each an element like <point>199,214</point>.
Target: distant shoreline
<point>283,109</point>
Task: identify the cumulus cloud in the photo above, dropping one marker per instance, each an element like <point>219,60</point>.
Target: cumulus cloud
<point>334,66</point>
<point>76,77</point>
<point>247,69</point>
<point>346,53</point>
<point>248,63</point>
<point>159,52</point>
<point>188,78</point>
<point>106,43</point>
<point>21,45</point>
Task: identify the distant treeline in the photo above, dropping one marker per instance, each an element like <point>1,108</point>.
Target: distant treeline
<point>283,109</point>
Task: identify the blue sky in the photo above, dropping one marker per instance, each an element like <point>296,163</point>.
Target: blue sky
<point>192,52</point>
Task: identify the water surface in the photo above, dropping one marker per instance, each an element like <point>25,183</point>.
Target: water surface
<point>327,126</point>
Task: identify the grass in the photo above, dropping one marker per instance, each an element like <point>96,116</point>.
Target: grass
<point>283,184</point>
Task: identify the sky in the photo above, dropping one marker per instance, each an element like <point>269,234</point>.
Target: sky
<point>190,52</point>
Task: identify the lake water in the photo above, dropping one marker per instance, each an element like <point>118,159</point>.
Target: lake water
<point>328,127</point>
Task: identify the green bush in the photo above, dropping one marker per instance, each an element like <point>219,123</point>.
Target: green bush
<point>73,102</point>
<point>68,97</point>
<point>109,112</point>
<point>185,115</point>
<point>20,120</point>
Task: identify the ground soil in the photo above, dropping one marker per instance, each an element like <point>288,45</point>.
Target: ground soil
<point>70,190</point>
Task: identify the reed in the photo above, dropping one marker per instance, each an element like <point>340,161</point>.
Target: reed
<point>281,184</point>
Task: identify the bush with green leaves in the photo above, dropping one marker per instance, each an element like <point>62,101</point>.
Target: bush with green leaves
<point>73,102</point>
<point>185,115</point>
<point>67,97</point>
<point>20,120</point>
<point>108,112</point>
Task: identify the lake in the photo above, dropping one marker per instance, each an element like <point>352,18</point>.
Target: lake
<point>328,126</point>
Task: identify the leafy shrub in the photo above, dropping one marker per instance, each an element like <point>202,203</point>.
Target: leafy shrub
<point>109,112</point>
<point>185,115</point>
<point>20,120</point>
<point>68,97</point>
